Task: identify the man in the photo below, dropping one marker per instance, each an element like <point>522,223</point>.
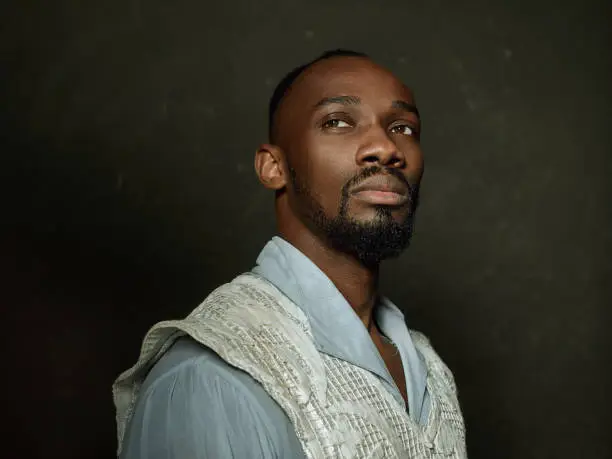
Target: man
<point>302,357</point>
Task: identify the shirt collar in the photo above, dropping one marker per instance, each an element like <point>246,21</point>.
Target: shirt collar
<point>336,328</point>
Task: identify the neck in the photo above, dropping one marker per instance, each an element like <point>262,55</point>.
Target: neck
<point>355,281</point>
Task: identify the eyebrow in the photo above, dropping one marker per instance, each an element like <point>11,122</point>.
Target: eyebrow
<point>354,100</point>
<point>403,105</point>
<point>344,100</point>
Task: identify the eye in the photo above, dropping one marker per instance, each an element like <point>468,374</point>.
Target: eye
<point>335,124</point>
<point>403,129</point>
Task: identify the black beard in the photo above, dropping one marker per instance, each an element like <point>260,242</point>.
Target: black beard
<point>370,242</point>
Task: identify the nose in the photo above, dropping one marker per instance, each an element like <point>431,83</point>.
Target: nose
<point>379,148</point>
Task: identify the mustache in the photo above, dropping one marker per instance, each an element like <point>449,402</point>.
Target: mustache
<point>413,189</point>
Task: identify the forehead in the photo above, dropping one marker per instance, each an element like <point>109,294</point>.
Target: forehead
<point>353,76</point>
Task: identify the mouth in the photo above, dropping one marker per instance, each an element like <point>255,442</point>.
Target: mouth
<point>382,190</point>
<point>388,198</point>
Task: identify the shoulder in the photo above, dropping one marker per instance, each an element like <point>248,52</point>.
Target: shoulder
<point>188,361</point>
<point>191,389</point>
<point>184,357</point>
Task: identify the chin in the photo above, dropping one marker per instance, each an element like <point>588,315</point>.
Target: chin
<point>382,214</point>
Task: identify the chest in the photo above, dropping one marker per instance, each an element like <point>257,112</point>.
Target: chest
<point>393,362</point>
<point>337,409</point>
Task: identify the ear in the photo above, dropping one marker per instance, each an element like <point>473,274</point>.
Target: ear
<point>269,167</point>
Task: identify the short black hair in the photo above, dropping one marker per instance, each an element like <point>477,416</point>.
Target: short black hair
<point>283,86</point>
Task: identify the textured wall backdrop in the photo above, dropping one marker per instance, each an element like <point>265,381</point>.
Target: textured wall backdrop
<point>127,189</point>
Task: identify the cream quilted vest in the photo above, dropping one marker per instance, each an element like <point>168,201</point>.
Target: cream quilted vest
<point>338,410</point>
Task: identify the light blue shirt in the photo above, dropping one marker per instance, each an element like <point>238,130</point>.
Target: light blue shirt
<point>194,405</point>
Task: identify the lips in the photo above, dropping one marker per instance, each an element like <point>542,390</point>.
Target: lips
<point>382,189</point>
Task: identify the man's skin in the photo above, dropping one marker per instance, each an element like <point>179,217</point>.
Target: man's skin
<point>327,143</point>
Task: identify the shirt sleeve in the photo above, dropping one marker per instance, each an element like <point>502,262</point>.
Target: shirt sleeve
<point>195,413</point>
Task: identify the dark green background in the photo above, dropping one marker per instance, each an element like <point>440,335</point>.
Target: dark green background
<point>127,189</point>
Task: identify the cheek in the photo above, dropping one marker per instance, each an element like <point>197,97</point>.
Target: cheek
<point>414,161</point>
<point>329,167</point>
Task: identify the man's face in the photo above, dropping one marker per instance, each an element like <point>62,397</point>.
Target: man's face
<point>350,132</point>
